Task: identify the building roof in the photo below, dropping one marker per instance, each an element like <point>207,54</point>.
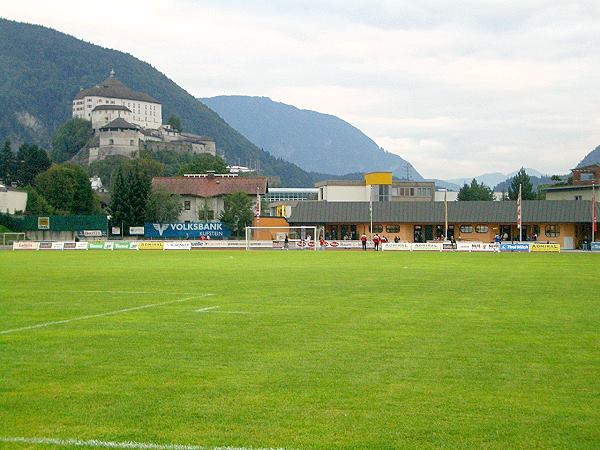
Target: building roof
<point>339,183</point>
<point>577,187</point>
<point>534,211</point>
<point>119,123</point>
<point>113,88</point>
<point>211,186</point>
<point>111,108</point>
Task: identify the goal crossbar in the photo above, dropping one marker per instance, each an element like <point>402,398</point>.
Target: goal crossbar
<point>291,237</point>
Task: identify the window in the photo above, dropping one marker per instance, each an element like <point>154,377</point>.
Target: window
<point>377,228</point>
<point>466,228</point>
<point>384,193</point>
<point>130,141</point>
<point>481,229</point>
<point>187,205</point>
<point>392,229</point>
<point>586,176</point>
<point>552,230</point>
<point>206,214</point>
<point>111,142</point>
<point>578,197</point>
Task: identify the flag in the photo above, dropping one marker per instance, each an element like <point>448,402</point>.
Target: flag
<point>519,209</point>
<point>594,217</point>
<point>257,207</point>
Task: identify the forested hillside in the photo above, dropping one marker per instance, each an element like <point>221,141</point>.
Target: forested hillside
<point>312,140</point>
<point>41,70</point>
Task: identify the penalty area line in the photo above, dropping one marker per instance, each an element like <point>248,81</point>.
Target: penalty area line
<point>213,310</point>
<point>113,444</point>
<point>109,313</point>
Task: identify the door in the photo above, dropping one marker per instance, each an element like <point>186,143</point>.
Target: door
<point>505,232</point>
<point>569,243</point>
<point>428,232</point>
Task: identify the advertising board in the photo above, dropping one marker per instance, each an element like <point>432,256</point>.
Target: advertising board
<point>427,246</point>
<point>121,245</point>
<point>514,247</point>
<point>134,245</point>
<point>57,246</point>
<point>186,230</point>
<point>91,233</point>
<point>178,245</point>
<point>45,246</point>
<point>43,223</point>
<point>151,245</point>
<point>136,231</point>
<point>69,245</point>
<point>98,245</point>
<point>108,246</point>
<point>546,248</point>
<point>25,245</point>
<point>396,246</point>
<point>595,246</point>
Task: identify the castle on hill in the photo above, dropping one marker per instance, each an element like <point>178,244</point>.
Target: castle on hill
<point>126,121</point>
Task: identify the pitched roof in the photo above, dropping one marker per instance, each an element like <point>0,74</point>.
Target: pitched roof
<point>211,186</point>
<point>534,211</point>
<point>111,108</point>
<point>113,88</point>
<point>119,123</point>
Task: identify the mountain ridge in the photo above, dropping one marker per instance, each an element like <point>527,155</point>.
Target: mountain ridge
<point>315,141</point>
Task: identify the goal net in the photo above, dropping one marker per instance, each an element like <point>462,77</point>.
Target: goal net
<point>282,238</point>
<point>9,238</point>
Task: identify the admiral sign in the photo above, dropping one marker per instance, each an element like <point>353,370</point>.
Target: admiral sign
<point>186,230</point>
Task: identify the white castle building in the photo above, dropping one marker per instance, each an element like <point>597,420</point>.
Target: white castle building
<point>125,121</point>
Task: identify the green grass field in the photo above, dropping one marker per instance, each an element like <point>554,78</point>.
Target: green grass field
<point>301,350</point>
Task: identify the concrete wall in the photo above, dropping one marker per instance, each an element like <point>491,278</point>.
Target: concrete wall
<point>332,193</point>
<point>197,204</point>
<point>570,194</point>
<point>102,117</point>
<point>12,201</point>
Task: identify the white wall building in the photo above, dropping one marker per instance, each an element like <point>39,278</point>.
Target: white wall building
<point>144,110</point>
<point>12,201</point>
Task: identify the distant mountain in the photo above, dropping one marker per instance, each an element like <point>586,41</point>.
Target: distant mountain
<point>41,70</point>
<point>535,182</point>
<point>592,157</point>
<point>312,140</point>
<point>453,187</point>
<point>493,178</point>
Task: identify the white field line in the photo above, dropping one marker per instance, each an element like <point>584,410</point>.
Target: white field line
<point>104,291</point>
<point>112,444</point>
<point>210,308</point>
<point>109,313</point>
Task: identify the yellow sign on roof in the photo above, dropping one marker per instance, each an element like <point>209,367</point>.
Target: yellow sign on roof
<point>378,178</point>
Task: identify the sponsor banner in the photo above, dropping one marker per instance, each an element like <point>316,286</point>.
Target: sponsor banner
<point>134,245</point>
<point>45,246</point>
<point>58,245</point>
<point>151,245</point>
<point>397,246</point>
<point>108,245</point>
<point>178,245</point>
<point>514,247</point>
<point>115,230</point>
<point>69,245</point>
<point>136,231</point>
<point>98,245</point>
<point>428,246</point>
<point>186,230</point>
<point>483,247</point>
<point>463,247</point>
<point>197,245</point>
<point>595,246</point>
<point>548,248</point>
<point>91,233</point>
<point>81,245</point>
<point>278,244</point>
<point>121,245</point>
<point>43,223</point>
<point>25,245</point>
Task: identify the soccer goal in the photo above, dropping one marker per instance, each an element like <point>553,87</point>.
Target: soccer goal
<point>9,238</point>
<point>283,238</point>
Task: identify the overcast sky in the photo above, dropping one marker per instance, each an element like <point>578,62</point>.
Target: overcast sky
<point>456,88</point>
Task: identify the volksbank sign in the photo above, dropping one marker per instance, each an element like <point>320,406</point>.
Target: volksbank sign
<point>186,230</point>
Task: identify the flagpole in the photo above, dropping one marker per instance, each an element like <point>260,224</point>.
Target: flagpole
<point>520,220</point>
<point>445,214</point>
<point>371,208</point>
<point>593,211</point>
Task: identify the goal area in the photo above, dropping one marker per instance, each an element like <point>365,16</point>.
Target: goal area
<point>281,238</point>
<point>9,238</point>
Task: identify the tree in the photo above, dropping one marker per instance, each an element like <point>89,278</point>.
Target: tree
<point>71,137</point>
<point>521,178</point>
<point>36,204</point>
<point>30,161</point>
<point>107,167</point>
<point>131,188</point>
<point>175,122</point>
<point>163,206</point>
<point>67,189</point>
<point>475,191</point>
<point>7,163</point>
<point>237,212</point>
<point>204,163</point>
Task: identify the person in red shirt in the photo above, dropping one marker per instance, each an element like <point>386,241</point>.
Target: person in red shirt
<point>376,241</point>
<point>363,240</point>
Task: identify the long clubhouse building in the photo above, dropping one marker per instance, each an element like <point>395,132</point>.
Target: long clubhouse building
<point>565,222</point>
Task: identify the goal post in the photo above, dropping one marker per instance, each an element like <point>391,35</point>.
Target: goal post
<point>298,238</point>
<point>9,238</point>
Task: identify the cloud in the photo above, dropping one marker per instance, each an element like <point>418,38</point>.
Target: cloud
<point>454,87</point>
